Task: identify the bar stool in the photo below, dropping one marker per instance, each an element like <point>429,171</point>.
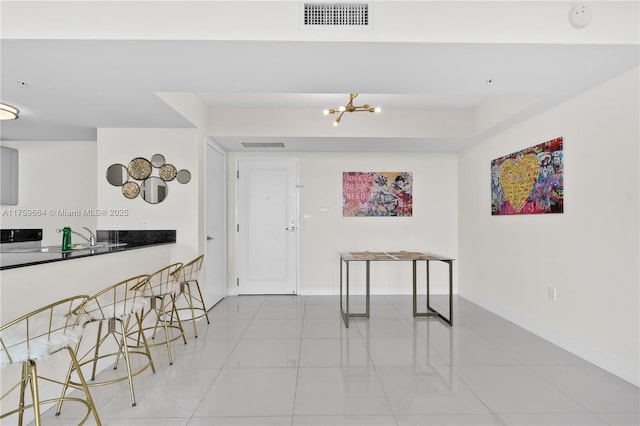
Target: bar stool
<point>32,338</point>
<point>187,277</point>
<point>116,310</point>
<point>161,291</point>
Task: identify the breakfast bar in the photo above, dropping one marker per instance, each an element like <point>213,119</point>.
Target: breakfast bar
<point>21,247</point>
<point>32,275</point>
<point>347,257</point>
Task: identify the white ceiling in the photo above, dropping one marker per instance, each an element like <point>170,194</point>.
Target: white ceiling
<point>435,96</point>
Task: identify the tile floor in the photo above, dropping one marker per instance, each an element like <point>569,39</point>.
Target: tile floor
<point>287,360</point>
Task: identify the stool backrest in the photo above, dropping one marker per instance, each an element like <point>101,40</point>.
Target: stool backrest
<point>190,271</point>
<point>118,300</point>
<point>162,282</point>
<point>42,332</point>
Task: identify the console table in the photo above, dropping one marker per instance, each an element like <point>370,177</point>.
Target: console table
<point>414,257</point>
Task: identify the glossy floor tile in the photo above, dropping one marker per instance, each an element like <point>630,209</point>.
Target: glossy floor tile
<point>289,360</point>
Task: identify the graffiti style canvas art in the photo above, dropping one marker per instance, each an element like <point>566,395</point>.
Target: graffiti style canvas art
<point>528,181</point>
<point>377,194</point>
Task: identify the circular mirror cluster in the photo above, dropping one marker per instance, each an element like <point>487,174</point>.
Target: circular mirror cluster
<point>153,189</point>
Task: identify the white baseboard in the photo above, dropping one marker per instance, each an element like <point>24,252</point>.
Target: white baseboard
<point>379,290</point>
<point>603,360</point>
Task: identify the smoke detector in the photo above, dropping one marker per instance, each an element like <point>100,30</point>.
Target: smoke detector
<point>580,16</point>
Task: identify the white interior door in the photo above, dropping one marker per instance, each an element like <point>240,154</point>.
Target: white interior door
<point>267,227</point>
<point>215,267</point>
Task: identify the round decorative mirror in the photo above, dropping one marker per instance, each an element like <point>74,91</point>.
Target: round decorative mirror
<point>139,168</point>
<point>154,190</point>
<point>117,174</point>
<point>184,176</point>
<point>167,172</point>
<point>130,190</point>
<point>157,160</point>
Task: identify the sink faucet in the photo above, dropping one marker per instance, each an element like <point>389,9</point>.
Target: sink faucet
<point>92,237</point>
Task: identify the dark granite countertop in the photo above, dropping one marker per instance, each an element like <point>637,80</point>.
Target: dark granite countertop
<point>108,242</point>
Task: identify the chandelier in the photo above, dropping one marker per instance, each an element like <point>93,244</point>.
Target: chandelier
<point>350,107</point>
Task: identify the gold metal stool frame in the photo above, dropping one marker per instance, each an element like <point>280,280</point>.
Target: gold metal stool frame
<point>120,304</point>
<point>187,276</point>
<point>34,337</point>
<point>161,291</point>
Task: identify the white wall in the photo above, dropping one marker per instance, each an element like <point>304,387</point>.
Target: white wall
<point>589,253</point>
<point>180,210</point>
<point>56,181</point>
<point>433,226</point>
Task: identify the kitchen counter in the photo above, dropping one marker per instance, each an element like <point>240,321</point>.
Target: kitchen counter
<point>117,241</point>
<point>20,259</point>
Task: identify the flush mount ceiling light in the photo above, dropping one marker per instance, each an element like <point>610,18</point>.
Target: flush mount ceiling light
<point>8,112</point>
<point>350,108</point>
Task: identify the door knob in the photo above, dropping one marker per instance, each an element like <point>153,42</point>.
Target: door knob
<point>209,238</point>
<point>290,228</point>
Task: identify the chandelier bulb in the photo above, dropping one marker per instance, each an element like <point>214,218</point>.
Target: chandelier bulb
<point>350,108</point>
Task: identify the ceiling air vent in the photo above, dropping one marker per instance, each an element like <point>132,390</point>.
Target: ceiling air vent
<point>263,144</point>
<point>336,14</point>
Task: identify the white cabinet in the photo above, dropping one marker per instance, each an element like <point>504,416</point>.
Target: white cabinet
<point>8,176</point>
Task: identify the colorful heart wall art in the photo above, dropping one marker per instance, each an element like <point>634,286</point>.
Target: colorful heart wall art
<point>529,181</point>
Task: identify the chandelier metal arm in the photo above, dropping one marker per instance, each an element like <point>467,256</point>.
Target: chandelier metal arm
<point>350,108</point>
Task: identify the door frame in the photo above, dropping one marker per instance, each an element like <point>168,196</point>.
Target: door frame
<point>237,215</point>
<point>211,144</point>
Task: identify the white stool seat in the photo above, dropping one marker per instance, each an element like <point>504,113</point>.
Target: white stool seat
<point>20,349</point>
<point>32,338</point>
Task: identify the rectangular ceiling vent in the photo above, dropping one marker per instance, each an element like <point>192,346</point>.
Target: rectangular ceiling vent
<point>336,14</point>
<point>263,144</point>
